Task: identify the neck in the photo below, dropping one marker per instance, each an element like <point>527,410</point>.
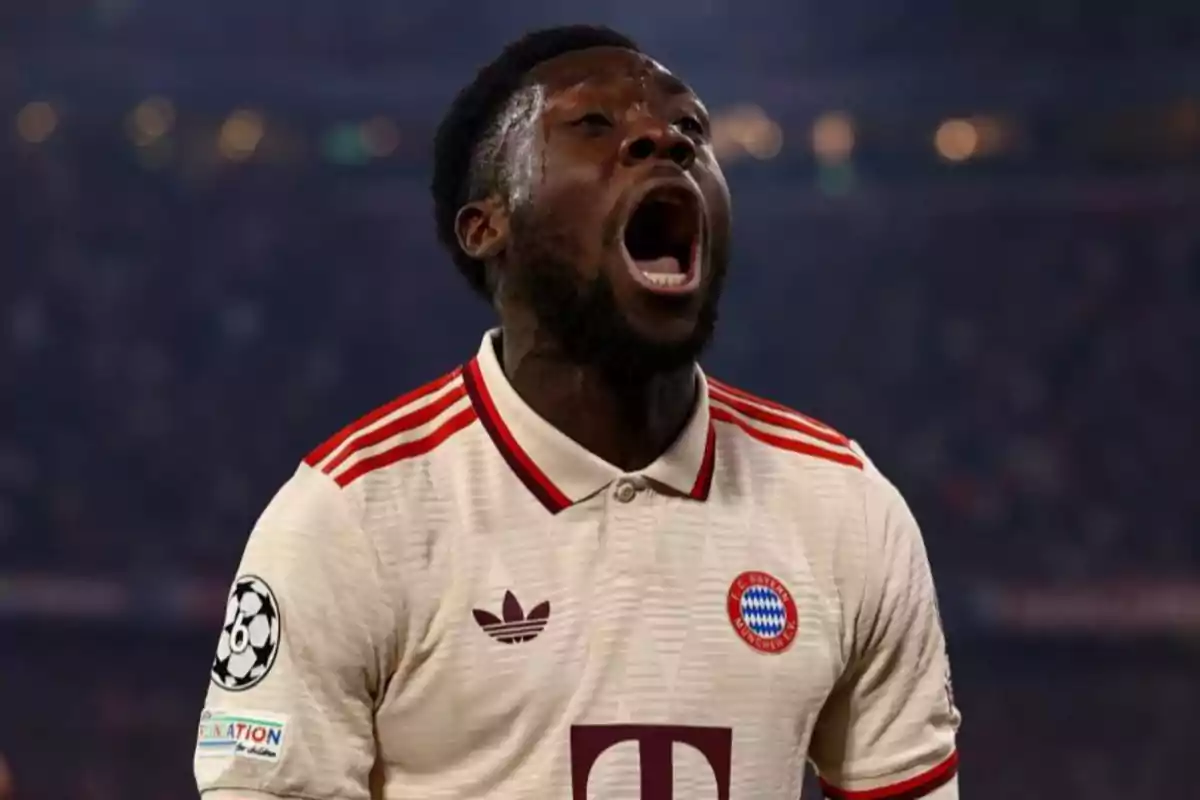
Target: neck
<point>629,425</point>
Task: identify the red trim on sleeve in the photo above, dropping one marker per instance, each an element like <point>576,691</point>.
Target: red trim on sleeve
<point>910,789</point>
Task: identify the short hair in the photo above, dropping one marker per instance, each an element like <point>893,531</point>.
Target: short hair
<point>462,143</point>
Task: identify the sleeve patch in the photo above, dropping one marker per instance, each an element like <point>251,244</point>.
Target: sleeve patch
<point>256,735</point>
<point>250,637</point>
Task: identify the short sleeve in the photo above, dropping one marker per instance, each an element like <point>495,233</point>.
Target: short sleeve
<point>889,728</point>
<point>301,656</point>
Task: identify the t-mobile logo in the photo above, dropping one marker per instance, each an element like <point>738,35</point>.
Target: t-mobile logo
<point>654,750</point>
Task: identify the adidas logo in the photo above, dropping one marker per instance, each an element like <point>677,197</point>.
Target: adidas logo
<point>517,626</point>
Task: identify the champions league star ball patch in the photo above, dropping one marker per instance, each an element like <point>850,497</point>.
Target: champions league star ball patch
<point>762,612</point>
<point>250,639</point>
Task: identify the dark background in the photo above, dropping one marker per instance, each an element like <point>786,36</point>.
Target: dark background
<point>967,234</point>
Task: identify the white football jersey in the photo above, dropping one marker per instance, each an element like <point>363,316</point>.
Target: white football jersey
<point>451,599</point>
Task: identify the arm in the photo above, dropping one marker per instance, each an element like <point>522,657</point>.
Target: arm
<point>303,654</point>
<point>889,728</point>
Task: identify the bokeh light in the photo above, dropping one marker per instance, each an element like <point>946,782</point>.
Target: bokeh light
<point>152,119</point>
<point>380,136</point>
<point>36,122</point>
<point>746,130</point>
<point>833,137</point>
<point>241,135</point>
<point>957,140</point>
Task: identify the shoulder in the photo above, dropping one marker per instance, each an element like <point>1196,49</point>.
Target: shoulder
<point>781,431</point>
<point>388,466</point>
<point>816,462</point>
<point>411,425</point>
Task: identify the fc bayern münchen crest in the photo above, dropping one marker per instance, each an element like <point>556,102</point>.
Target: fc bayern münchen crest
<point>250,639</point>
<point>762,611</point>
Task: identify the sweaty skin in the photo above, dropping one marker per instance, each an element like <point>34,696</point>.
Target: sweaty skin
<point>592,128</point>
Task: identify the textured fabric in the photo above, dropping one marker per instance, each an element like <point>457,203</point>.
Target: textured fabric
<point>338,623</point>
<point>474,607</point>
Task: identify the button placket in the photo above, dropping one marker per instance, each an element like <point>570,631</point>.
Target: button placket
<point>625,491</point>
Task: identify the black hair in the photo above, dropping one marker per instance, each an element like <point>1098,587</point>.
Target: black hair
<point>458,176</point>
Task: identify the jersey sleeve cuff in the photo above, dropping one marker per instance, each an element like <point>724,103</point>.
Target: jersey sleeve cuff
<point>910,789</point>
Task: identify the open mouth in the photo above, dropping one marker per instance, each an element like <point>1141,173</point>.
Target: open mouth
<point>662,240</point>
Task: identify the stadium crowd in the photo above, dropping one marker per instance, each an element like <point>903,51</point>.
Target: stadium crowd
<point>174,341</point>
<point>177,331</point>
<point>365,35</point>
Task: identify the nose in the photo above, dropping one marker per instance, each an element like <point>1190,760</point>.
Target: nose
<point>658,143</point>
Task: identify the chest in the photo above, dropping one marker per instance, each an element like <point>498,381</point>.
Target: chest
<point>645,610</point>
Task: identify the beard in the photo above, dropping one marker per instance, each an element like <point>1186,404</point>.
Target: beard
<point>582,316</point>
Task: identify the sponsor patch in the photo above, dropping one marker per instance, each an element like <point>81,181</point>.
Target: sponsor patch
<point>246,734</point>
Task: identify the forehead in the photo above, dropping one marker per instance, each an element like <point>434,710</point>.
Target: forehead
<point>605,68</point>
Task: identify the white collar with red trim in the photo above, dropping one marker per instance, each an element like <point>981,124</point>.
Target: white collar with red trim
<point>557,470</point>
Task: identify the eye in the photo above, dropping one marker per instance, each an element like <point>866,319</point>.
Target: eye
<point>691,126</point>
<point>593,122</point>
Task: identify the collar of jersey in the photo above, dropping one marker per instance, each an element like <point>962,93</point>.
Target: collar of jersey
<point>557,470</point>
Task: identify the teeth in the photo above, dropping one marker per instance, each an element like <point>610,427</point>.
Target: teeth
<point>666,278</point>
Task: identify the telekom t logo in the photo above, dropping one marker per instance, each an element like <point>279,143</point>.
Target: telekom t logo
<point>654,751</point>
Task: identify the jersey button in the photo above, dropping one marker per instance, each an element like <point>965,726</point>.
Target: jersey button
<point>626,491</point>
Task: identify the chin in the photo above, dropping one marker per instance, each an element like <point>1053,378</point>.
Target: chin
<point>663,344</point>
<point>677,332</point>
<point>611,321</point>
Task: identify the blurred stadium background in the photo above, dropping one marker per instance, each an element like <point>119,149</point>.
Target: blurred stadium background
<point>968,233</point>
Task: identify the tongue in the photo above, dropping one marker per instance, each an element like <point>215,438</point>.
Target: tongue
<point>664,265</point>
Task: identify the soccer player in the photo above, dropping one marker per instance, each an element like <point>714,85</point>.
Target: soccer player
<point>577,567</point>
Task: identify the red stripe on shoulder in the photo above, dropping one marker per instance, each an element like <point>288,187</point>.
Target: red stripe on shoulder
<point>784,443</point>
<point>795,422</point>
<point>742,394</point>
<point>405,422</point>
<point>910,789</point>
<point>406,450</point>
<point>323,452</point>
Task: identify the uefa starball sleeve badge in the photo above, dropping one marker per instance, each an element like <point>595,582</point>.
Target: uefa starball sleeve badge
<point>762,612</point>
<point>249,639</point>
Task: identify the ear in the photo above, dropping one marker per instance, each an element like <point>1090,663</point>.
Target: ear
<point>482,228</point>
